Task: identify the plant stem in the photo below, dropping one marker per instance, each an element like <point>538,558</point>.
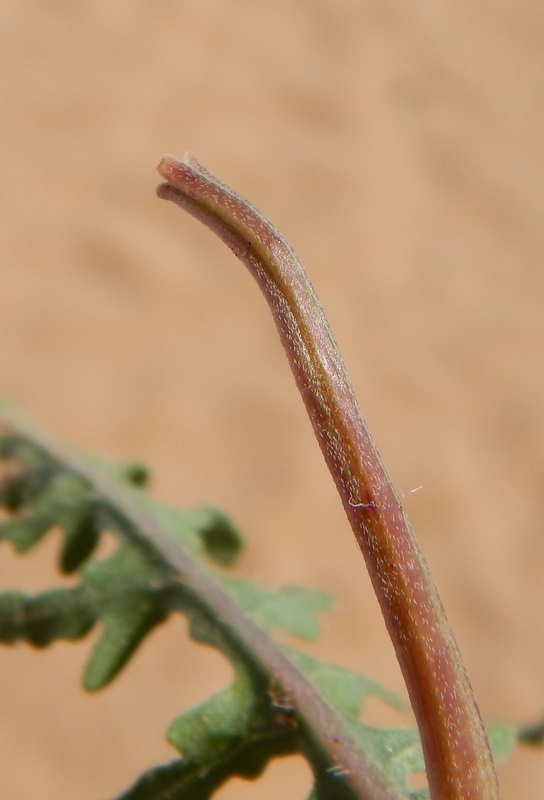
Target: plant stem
<point>457,756</point>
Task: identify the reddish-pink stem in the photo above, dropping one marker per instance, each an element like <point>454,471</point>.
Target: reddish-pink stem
<point>457,756</point>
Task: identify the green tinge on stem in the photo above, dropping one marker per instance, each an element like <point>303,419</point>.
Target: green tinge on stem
<point>457,756</point>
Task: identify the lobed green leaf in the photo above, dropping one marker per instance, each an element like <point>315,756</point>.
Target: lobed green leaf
<point>237,730</point>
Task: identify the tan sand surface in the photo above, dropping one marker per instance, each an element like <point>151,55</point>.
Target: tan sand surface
<point>400,148</point>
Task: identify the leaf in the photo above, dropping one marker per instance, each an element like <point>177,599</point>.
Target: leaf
<point>56,614</point>
<point>221,540</point>
<point>133,473</point>
<point>237,730</point>
<point>26,531</point>
<point>502,739</point>
<point>292,609</point>
<point>181,781</point>
<point>124,628</point>
<point>347,689</point>
<point>231,733</point>
<point>203,531</point>
<point>206,732</point>
<point>22,489</point>
<point>81,536</point>
<point>133,599</point>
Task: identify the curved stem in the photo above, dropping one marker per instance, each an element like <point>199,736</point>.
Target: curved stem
<point>457,756</point>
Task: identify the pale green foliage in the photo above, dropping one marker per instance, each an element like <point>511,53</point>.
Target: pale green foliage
<point>240,728</point>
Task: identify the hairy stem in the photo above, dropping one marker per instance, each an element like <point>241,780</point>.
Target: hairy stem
<point>457,756</point>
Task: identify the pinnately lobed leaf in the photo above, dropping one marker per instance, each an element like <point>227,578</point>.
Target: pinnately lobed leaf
<point>457,755</point>
<point>258,716</point>
<point>269,710</point>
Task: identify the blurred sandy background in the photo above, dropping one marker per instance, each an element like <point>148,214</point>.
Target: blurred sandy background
<point>399,147</point>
